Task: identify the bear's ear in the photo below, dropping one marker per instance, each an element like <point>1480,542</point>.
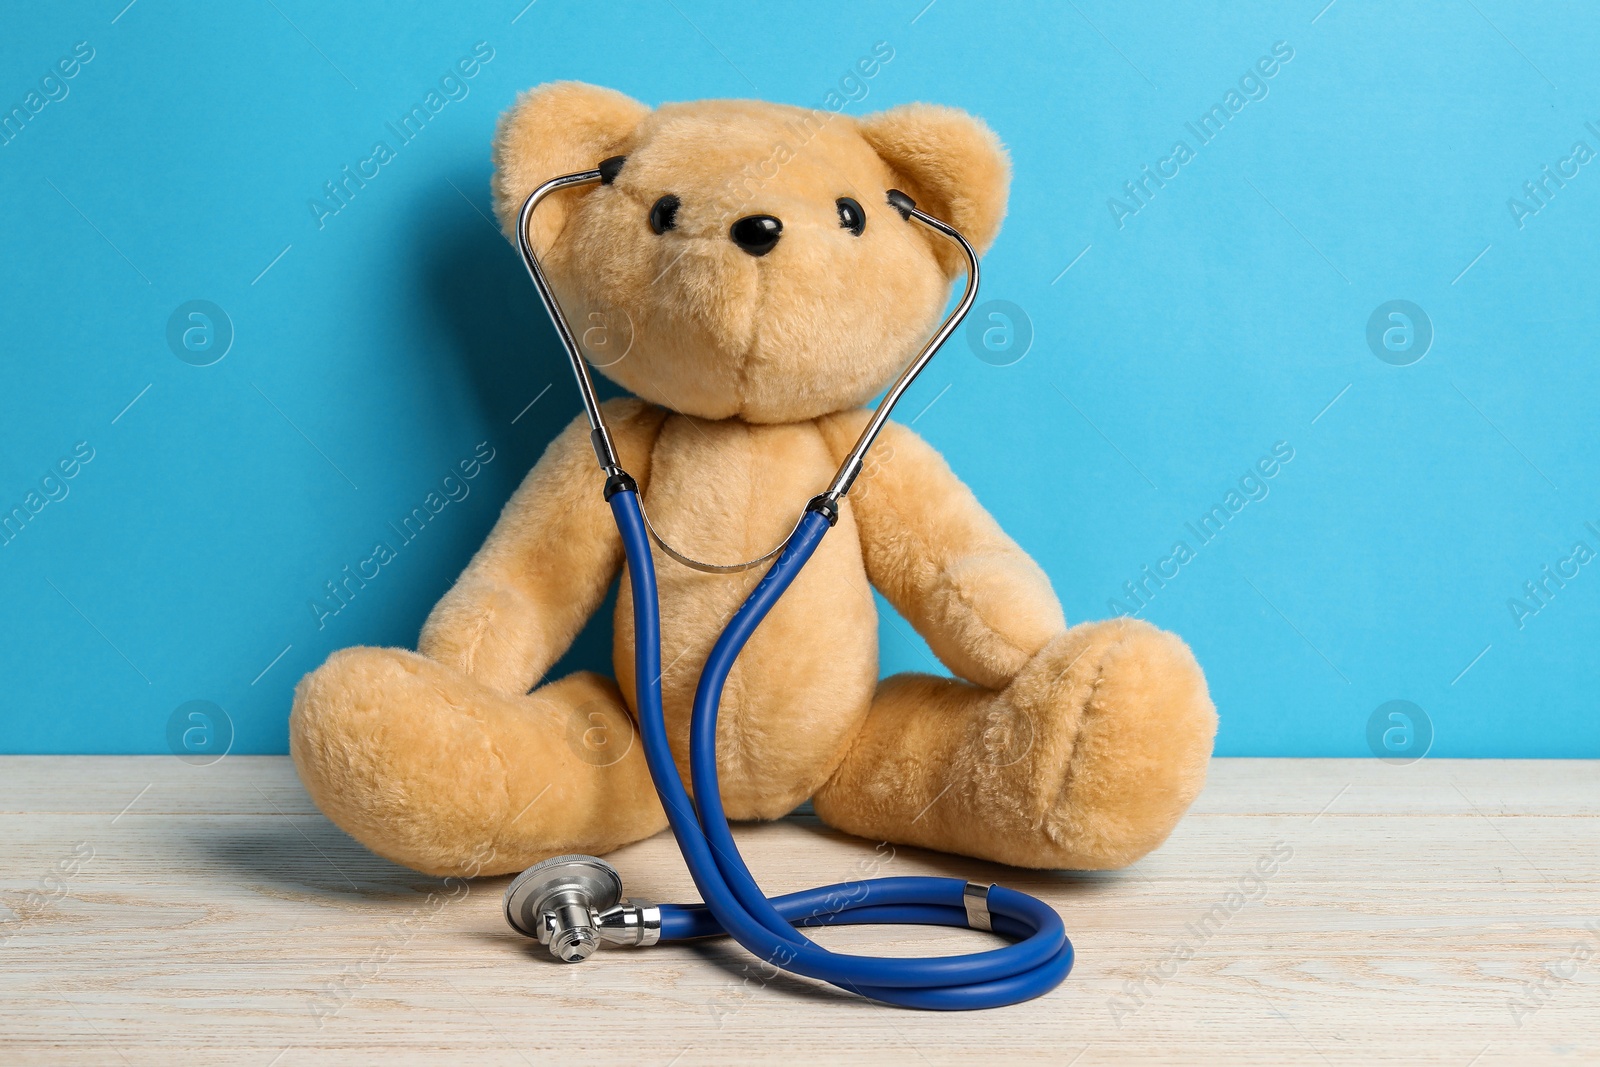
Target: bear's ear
<point>551,130</point>
<point>954,167</point>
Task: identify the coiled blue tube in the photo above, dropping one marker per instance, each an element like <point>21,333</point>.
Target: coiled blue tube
<point>1035,963</point>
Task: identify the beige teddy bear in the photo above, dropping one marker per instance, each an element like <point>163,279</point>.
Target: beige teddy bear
<point>769,291</point>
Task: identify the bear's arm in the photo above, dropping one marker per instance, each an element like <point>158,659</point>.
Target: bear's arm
<point>982,604</point>
<point>546,564</point>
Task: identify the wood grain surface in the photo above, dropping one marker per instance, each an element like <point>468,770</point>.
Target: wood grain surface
<point>1307,911</point>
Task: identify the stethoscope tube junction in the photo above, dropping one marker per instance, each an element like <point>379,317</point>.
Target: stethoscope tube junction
<point>573,903</point>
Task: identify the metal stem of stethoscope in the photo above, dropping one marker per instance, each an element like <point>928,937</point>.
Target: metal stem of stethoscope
<point>600,436</point>
<point>852,463</point>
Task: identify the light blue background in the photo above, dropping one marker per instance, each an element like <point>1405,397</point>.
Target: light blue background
<point>1222,318</point>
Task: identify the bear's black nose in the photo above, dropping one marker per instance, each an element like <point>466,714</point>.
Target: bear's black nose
<point>757,234</point>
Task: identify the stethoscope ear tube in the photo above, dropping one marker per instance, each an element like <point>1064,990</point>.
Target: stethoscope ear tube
<point>1038,960</point>
<point>851,467</point>
<point>600,434</point>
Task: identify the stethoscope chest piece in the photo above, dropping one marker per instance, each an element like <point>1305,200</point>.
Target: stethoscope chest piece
<point>572,903</point>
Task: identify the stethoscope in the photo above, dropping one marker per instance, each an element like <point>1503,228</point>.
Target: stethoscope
<point>573,903</point>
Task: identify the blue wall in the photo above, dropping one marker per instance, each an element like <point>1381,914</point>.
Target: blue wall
<point>1174,340</point>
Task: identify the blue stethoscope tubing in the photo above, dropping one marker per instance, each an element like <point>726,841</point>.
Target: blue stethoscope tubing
<point>1040,955</point>
<point>1034,964</point>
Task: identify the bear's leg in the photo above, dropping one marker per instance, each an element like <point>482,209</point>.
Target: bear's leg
<point>1086,760</point>
<point>428,768</point>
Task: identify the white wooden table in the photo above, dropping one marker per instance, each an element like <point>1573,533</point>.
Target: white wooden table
<point>1446,912</point>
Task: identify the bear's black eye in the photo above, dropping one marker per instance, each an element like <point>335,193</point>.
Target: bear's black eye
<point>851,217</point>
<point>664,215</point>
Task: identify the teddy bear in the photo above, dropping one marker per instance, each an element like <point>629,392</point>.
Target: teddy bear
<point>769,290</point>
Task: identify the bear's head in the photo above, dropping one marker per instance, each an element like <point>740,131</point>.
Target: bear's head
<point>745,262</point>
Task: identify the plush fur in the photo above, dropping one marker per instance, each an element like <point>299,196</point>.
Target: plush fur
<point>1052,747</point>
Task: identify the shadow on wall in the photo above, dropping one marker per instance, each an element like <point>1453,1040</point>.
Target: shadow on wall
<point>472,283</point>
